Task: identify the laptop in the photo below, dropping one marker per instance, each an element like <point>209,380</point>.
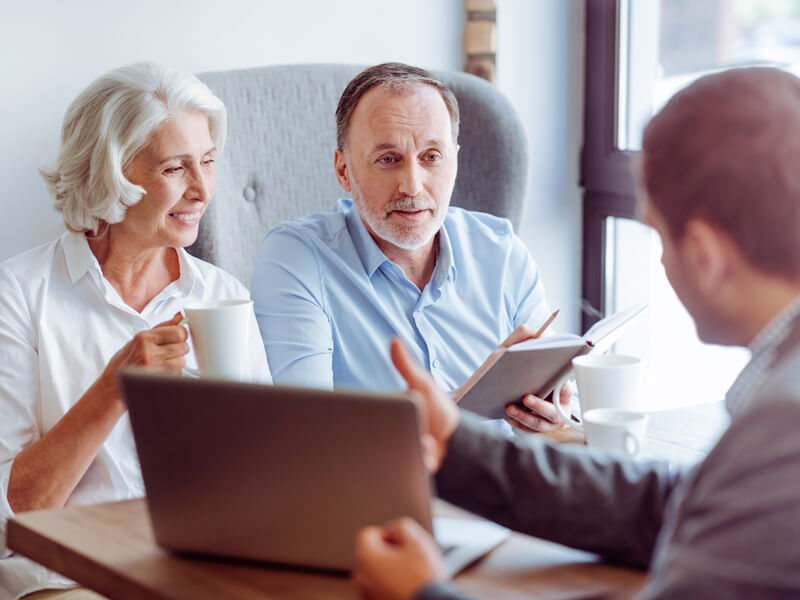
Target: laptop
<point>283,474</point>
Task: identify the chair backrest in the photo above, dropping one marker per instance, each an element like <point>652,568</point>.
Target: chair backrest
<point>278,157</point>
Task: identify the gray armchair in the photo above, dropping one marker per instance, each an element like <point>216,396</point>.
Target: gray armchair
<point>278,158</point>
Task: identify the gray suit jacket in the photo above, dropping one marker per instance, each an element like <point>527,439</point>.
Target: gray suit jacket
<point>729,528</point>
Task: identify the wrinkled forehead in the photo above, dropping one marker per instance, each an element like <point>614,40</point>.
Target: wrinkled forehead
<point>412,110</point>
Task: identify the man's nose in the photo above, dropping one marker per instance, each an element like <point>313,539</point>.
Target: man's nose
<point>410,183</point>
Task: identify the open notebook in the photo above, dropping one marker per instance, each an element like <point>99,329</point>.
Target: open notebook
<point>535,366</point>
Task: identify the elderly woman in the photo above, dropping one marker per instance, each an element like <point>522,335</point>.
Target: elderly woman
<point>134,175</point>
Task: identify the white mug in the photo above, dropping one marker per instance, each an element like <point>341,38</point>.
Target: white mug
<point>604,381</point>
<point>220,332</point>
<point>615,429</point>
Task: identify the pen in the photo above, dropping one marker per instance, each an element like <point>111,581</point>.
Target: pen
<point>546,324</point>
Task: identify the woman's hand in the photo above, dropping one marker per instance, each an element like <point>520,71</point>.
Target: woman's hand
<point>44,474</point>
<point>162,348</point>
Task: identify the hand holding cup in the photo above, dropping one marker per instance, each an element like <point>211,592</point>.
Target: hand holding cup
<point>220,331</point>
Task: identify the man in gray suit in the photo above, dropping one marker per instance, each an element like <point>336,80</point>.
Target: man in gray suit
<point>721,186</point>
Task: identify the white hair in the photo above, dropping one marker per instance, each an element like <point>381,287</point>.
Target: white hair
<point>107,125</point>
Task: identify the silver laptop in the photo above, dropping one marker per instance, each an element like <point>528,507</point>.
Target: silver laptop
<point>281,474</point>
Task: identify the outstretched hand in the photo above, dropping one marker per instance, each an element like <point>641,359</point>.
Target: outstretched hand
<point>438,413</point>
<point>395,561</point>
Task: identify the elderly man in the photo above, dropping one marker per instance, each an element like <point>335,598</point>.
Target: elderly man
<point>722,189</point>
<point>332,289</point>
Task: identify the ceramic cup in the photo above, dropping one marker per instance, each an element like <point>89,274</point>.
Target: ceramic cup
<point>615,429</point>
<point>219,331</point>
<point>604,381</point>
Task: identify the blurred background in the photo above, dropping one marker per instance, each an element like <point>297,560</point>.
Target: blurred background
<point>584,76</point>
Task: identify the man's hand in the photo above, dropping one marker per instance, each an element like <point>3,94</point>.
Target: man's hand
<point>520,334</point>
<point>438,414</point>
<point>396,561</point>
<point>539,414</point>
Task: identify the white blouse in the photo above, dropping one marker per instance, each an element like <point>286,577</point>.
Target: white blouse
<point>61,322</point>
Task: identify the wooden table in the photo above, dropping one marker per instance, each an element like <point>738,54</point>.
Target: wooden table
<point>110,548</point>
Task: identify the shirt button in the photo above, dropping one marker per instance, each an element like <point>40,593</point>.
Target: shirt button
<point>436,363</point>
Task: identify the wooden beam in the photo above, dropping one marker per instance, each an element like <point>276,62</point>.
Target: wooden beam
<point>480,43</point>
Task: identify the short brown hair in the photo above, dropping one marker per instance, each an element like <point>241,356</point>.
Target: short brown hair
<point>396,77</point>
<point>727,150</point>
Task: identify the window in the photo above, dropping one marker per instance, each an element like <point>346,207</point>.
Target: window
<point>679,369</point>
<point>638,54</point>
<point>665,45</point>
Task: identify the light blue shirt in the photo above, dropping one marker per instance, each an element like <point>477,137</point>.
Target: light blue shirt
<point>328,301</point>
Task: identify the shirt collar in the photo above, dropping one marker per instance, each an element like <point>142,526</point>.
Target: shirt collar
<point>763,351</point>
<point>80,260</point>
<point>372,257</point>
<point>445,265</point>
<point>777,329</point>
<point>190,274</point>
<point>78,255</point>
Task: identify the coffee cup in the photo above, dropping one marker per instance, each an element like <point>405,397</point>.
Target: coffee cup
<point>604,381</point>
<point>615,429</point>
<point>220,331</point>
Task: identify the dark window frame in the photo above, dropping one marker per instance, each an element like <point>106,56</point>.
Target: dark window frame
<point>606,171</point>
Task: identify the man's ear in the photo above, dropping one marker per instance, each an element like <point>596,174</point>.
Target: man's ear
<point>342,172</point>
<point>707,252</point>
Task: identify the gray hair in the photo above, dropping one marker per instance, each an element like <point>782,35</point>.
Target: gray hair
<point>107,125</point>
<point>397,78</point>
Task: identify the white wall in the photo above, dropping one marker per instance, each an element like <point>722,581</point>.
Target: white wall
<point>540,58</point>
<point>50,50</point>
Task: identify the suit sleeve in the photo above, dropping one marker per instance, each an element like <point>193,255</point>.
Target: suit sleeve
<point>288,299</point>
<point>587,500</point>
<point>735,535</point>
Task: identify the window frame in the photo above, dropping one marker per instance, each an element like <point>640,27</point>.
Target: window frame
<point>606,171</point>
